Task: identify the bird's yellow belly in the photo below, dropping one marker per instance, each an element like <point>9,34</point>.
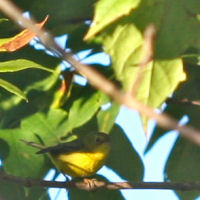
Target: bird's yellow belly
<point>79,164</point>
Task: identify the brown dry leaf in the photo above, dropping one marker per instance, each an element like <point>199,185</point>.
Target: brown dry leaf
<point>20,40</point>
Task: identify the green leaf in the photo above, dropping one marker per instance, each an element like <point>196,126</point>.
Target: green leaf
<point>107,11</point>
<point>95,195</point>
<point>12,88</point>
<point>17,158</point>
<point>177,105</point>
<point>123,41</point>
<point>123,158</point>
<point>83,108</point>
<point>39,86</point>
<point>168,73</point>
<point>47,127</point>
<point>16,153</point>
<point>173,36</point>
<point>106,118</point>
<point>40,95</point>
<point>3,20</point>
<point>183,165</point>
<point>21,64</point>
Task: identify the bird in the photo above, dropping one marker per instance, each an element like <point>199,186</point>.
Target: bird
<point>79,158</point>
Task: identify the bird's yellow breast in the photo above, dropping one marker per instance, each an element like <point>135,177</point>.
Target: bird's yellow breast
<point>81,164</point>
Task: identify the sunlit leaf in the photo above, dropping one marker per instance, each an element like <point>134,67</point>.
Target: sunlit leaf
<point>107,11</point>
<point>20,64</point>
<point>106,118</point>
<point>176,107</point>
<point>123,41</point>
<point>173,36</point>
<point>12,88</point>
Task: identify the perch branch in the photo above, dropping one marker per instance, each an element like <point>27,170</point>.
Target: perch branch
<point>28,182</point>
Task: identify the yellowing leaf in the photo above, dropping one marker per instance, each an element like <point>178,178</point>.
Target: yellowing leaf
<point>19,40</point>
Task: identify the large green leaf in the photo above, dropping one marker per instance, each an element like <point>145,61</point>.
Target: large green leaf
<point>123,41</point>
<point>17,159</point>
<point>168,73</point>
<point>47,127</point>
<point>159,78</point>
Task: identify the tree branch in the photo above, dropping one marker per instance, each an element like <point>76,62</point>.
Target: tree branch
<point>96,79</point>
<point>82,185</point>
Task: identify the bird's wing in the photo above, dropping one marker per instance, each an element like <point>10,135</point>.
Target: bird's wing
<point>66,147</point>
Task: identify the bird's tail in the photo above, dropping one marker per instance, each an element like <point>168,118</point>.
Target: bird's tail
<point>33,144</point>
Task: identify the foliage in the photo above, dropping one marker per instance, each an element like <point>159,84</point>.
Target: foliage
<point>58,108</point>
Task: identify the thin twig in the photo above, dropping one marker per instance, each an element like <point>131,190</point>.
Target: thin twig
<point>28,182</point>
<point>96,79</point>
<point>184,101</point>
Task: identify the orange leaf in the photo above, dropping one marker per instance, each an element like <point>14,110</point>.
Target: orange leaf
<point>21,39</point>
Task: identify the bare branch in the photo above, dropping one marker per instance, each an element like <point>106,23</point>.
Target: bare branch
<point>96,79</point>
<point>28,182</point>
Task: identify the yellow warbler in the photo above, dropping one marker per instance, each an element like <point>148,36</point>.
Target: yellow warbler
<point>79,158</point>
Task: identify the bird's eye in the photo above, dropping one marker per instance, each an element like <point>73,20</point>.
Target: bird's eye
<point>98,140</point>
